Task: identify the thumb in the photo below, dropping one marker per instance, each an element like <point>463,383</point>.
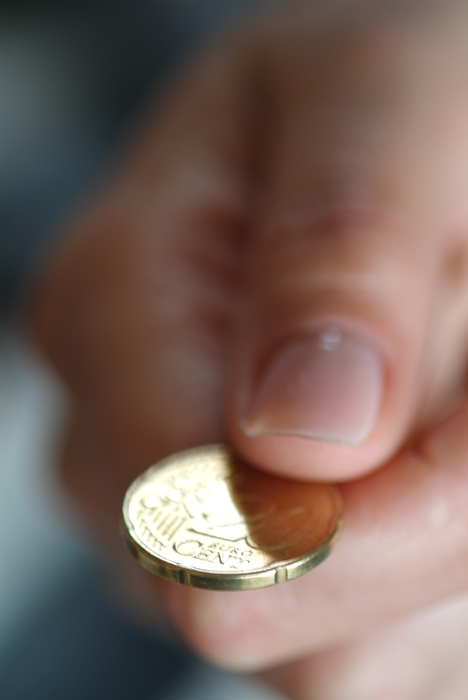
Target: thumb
<point>342,298</point>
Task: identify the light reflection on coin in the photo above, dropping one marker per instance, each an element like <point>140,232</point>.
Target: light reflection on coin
<point>206,519</point>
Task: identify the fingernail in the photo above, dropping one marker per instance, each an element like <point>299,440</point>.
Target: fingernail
<point>323,386</point>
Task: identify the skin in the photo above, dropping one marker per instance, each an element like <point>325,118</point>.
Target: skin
<point>201,253</point>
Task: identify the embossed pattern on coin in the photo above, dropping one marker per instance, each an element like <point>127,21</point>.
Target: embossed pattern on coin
<point>205,518</point>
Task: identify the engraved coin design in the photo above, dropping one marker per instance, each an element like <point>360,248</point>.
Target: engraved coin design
<point>207,519</point>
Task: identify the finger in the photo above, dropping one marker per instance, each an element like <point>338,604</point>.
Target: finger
<point>421,657</point>
<point>360,213</point>
<point>404,545</point>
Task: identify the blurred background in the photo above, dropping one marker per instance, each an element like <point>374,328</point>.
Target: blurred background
<point>72,74</point>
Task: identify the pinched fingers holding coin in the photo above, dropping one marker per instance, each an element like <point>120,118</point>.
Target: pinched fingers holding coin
<point>281,263</point>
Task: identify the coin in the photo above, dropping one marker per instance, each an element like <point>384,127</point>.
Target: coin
<point>207,519</point>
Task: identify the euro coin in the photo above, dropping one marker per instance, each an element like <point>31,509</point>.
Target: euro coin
<point>207,519</point>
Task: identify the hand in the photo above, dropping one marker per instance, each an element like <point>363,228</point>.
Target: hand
<point>281,260</point>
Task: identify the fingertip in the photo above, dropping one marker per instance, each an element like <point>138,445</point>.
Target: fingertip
<point>221,626</point>
<point>327,404</point>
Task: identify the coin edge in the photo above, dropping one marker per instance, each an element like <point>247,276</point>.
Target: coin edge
<point>252,580</point>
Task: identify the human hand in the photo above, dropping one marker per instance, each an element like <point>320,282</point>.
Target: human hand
<point>288,233</point>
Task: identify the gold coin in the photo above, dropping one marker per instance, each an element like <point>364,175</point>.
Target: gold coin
<point>206,519</point>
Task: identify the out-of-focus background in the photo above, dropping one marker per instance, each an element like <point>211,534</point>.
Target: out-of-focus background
<point>72,74</point>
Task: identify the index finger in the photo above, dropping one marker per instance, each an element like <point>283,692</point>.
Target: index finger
<point>404,545</point>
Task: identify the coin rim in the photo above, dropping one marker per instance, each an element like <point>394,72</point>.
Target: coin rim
<point>287,570</point>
